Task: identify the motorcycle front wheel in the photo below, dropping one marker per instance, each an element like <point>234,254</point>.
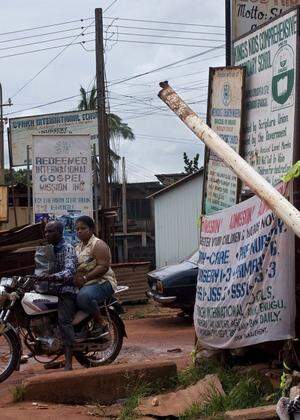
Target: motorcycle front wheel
<point>111,346</point>
<point>10,352</point>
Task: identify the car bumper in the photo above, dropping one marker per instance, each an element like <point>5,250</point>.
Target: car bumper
<point>159,298</point>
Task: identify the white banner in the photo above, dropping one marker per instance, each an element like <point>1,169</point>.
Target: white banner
<point>246,288</point>
<point>225,117</point>
<point>246,15</point>
<point>62,178</point>
<point>270,57</point>
<point>74,122</point>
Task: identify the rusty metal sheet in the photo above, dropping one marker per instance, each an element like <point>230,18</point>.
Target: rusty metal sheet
<point>133,275</point>
<point>3,203</point>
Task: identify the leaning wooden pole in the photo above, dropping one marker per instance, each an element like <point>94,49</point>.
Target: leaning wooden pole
<point>279,204</point>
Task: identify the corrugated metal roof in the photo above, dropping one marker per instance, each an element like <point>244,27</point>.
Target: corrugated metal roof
<point>176,184</point>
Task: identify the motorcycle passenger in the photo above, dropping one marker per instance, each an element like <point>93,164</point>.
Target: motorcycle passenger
<point>62,274</point>
<point>94,276</point>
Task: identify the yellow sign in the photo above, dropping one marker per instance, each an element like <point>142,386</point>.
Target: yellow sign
<point>3,204</point>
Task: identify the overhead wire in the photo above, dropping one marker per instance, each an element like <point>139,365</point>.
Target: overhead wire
<point>44,26</point>
<point>119,81</point>
<point>167,65</point>
<point>119,33</point>
<point>166,22</point>
<point>59,54</point>
<point>165,30</point>
<point>50,62</point>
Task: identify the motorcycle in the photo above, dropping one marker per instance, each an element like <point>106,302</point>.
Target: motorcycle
<point>31,318</point>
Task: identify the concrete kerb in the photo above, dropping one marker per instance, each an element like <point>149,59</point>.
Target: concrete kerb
<point>103,385</point>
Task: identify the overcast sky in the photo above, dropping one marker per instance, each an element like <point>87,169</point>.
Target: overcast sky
<point>161,138</point>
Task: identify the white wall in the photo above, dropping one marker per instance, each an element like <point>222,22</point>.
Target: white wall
<point>176,227</point>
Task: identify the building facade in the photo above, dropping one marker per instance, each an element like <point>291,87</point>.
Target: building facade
<point>177,209</point>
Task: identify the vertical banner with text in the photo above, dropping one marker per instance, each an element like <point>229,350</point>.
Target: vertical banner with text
<point>270,57</point>
<point>62,178</point>
<point>246,281</point>
<point>225,115</point>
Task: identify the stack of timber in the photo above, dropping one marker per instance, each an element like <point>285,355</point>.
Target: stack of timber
<point>17,249</point>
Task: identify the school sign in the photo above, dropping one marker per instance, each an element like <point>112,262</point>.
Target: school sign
<point>270,56</point>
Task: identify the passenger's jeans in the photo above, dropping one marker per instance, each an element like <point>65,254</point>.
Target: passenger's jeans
<point>89,296</point>
<point>66,311</point>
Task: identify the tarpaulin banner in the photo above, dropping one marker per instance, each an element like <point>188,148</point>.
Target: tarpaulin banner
<point>245,289</point>
<point>62,179</point>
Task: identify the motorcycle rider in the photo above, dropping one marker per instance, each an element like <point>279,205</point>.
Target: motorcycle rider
<point>61,273</point>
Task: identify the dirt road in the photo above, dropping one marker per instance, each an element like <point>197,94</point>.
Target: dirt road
<point>169,338</point>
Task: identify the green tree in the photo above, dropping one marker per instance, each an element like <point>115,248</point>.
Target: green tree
<point>191,165</point>
<point>117,128</point>
<point>87,101</point>
<point>17,177</point>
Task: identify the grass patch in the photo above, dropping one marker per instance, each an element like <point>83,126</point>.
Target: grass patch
<point>139,315</point>
<point>18,393</point>
<point>242,390</point>
<point>245,389</point>
<point>133,401</point>
<point>141,389</point>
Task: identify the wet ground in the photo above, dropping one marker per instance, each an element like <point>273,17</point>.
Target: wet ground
<point>166,338</point>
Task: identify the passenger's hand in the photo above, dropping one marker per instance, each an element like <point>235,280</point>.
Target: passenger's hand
<point>79,279</point>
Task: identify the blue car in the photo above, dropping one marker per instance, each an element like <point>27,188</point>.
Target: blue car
<point>174,286</point>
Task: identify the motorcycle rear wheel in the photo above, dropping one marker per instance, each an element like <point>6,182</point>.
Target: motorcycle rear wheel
<point>9,339</point>
<point>97,358</point>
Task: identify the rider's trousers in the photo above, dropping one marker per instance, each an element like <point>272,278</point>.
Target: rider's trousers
<point>66,312</point>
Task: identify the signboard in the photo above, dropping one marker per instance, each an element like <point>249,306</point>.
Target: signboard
<point>226,93</point>
<point>62,179</point>
<point>245,289</point>
<point>270,57</point>
<point>75,122</point>
<point>246,15</point>
<point>3,203</point>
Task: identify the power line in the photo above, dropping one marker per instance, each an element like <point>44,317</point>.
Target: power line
<point>42,35</point>
<point>166,22</point>
<point>44,26</point>
<point>120,81</point>
<point>167,65</point>
<point>165,36</point>
<point>111,4</point>
<point>111,18</point>
<point>45,41</point>
<point>165,30</point>
<point>160,43</point>
<point>116,26</point>
<point>50,62</point>
<point>119,33</point>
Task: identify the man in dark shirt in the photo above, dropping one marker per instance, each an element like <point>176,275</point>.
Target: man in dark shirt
<point>62,272</point>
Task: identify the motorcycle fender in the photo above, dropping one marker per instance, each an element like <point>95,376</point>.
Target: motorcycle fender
<point>7,326</point>
<point>121,322</point>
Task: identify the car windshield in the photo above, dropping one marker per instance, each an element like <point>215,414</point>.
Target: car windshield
<point>194,258</point>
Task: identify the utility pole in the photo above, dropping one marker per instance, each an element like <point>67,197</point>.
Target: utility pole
<point>28,185</point>
<point>2,177</point>
<point>103,137</point>
<point>124,212</point>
